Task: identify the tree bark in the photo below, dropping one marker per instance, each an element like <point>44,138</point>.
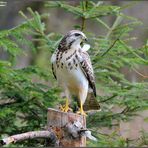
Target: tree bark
<point>28,135</point>
<point>67,127</point>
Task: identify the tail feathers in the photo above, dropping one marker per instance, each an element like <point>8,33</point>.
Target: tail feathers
<point>91,103</point>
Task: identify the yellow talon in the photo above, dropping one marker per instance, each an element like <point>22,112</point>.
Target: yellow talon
<point>81,111</point>
<point>65,108</point>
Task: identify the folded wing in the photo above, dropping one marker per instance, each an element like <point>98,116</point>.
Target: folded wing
<point>85,64</point>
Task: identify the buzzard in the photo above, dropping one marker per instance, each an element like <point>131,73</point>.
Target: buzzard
<point>72,68</point>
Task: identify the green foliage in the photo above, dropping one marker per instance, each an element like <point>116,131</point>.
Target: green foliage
<point>91,12</point>
<point>24,102</point>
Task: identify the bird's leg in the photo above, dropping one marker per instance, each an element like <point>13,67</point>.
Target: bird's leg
<point>66,108</point>
<point>81,111</point>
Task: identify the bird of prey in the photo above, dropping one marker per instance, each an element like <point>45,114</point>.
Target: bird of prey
<point>72,68</point>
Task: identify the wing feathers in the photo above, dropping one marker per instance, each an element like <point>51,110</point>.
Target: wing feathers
<point>91,103</point>
<point>86,67</point>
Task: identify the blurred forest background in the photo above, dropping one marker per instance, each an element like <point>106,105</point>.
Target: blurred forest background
<point>118,33</point>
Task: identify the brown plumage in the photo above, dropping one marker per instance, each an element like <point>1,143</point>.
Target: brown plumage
<point>91,102</point>
<point>73,70</point>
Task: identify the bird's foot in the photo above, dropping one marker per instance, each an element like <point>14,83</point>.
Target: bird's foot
<point>81,112</point>
<point>65,108</point>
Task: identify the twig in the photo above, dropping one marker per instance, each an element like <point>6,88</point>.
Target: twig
<point>4,104</point>
<point>110,48</point>
<point>108,98</point>
<point>84,5</point>
<point>131,51</point>
<point>140,73</point>
<point>83,24</point>
<point>28,135</point>
<point>115,24</point>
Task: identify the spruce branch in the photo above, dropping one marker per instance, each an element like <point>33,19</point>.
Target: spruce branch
<point>111,46</point>
<point>84,7</point>
<point>113,96</point>
<point>115,24</point>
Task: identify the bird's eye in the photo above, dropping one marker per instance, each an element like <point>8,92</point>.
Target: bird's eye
<point>77,34</point>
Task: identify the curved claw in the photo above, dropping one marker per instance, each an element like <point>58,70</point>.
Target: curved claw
<point>65,108</point>
<point>81,112</point>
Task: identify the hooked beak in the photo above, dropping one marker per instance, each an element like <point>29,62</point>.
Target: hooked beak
<point>85,39</point>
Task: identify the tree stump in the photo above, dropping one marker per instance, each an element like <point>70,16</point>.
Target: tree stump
<point>57,121</point>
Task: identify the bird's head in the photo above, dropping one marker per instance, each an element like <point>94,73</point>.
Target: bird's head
<point>72,39</point>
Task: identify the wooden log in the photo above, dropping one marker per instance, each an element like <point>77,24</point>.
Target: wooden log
<point>30,135</point>
<point>57,121</point>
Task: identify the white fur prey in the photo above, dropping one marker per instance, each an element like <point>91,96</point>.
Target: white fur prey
<point>85,47</point>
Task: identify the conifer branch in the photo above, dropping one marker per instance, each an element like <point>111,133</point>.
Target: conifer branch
<point>139,73</point>
<point>84,5</point>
